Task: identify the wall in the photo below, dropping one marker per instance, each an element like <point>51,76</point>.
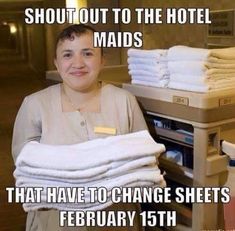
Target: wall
<point>166,35</point>
<point>51,32</point>
<point>30,54</point>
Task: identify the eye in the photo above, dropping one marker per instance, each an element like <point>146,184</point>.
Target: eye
<point>88,53</point>
<point>67,55</point>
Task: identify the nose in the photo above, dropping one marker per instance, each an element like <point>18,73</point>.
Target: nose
<point>78,61</point>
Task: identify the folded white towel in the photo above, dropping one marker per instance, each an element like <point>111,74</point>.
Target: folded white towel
<point>86,175</point>
<point>148,61</point>
<point>187,53</point>
<point>118,161</point>
<point>188,87</point>
<point>148,176</point>
<point>148,173</point>
<point>87,205</point>
<point>82,156</point>
<point>200,79</point>
<point>149,79</point>
<point>191,53</point>
<point>84,206</point>
<point>157,74</point>
<point>147,67</point>
<point>162,83</point>
<point>154,53</point>
<point>200,88</point>
<point>187,67</point>
<point>189,79</point>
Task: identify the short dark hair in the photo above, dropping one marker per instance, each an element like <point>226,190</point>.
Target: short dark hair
<point>78,29</point>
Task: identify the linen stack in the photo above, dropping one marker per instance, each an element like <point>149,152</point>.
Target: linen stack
<point>201,70</point>
<point>148,67</point>
<point>128,160</point>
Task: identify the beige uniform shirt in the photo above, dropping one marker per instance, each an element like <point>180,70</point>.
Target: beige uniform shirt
<point>41,118</point>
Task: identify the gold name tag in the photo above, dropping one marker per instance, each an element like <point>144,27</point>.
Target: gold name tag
<point>105,130</point>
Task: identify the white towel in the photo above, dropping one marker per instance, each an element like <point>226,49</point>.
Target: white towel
<point>201,88</point>
<point>148,173</point>
<point>154,53</point>
<point>191,53</point>
<point>82,156</point>
<point>84,206</point>
<point>187,67</point>
<point>187,53</point>
<point>149,79</point>
<point>189,79</point>
<point>148,61</point>
<point>188,87</point>
<point>146,177</point>
<point>162,83</point>
<point>157,74</point>
<point>147,67</point>
<point>82,176</point>
<point>117,161</point>
<point>200,79</point>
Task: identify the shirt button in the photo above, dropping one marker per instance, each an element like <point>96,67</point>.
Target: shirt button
<point>82,123</point>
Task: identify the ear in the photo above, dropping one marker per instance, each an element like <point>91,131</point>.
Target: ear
<point>55,63</point>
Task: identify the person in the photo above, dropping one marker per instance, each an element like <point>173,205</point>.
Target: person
<point>69,112</point>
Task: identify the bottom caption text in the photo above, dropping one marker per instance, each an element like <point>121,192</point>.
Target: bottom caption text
<point>116,218</point>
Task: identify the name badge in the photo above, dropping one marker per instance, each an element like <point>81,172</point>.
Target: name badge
<point>105,130</point>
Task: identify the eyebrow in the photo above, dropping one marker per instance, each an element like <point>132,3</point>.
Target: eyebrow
<point>88,49</point>
<point>85,49</point>
<point>66,51</point>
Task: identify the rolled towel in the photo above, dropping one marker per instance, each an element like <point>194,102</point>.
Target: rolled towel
<point>187,53</point>
<point>154,53</point>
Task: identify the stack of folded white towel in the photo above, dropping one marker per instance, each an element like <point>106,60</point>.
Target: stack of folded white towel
<point>118,161</point>
<point>201,70</point>
<point>148,67</point>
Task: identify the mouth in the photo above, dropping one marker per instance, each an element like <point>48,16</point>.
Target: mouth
<point>78,73</point>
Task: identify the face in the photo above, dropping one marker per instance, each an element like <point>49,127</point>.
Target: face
<point>78,62</point>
